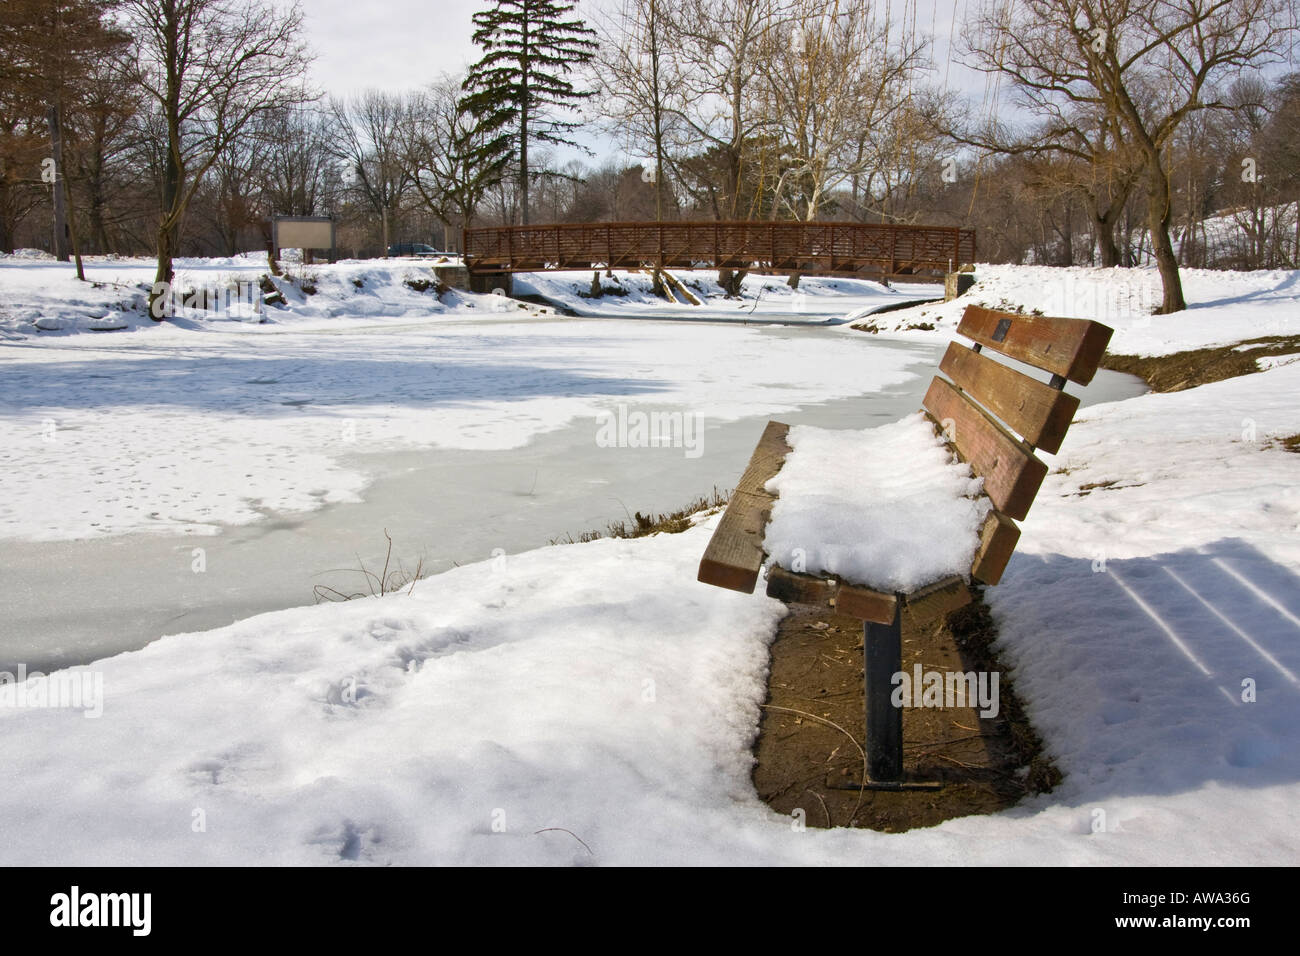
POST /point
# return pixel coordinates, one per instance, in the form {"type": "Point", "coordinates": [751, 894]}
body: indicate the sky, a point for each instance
{"type": "Point", "coordinates": [405, 44]}
{"type": "Point", "coordinates": [389, 44]}
{"type": "Point", "coordinates": [402, 44]}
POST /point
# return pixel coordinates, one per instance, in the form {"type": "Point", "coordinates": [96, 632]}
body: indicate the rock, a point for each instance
{"type": "Point", "coordinates": [109, 322]}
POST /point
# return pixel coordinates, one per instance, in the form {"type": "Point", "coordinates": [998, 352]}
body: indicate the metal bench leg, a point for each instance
{"type": "Point", "coordinates": [882, 655]}
{"type": "Point", "coordinates": [882, 651]}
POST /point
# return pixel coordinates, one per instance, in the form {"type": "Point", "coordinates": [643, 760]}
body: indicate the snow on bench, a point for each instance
{"type": "Point", "coordinates": [911, 512]}
{"type": "Point", "coordinates": [888, 508]}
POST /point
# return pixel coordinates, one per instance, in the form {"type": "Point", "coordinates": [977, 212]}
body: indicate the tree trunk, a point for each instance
{"type": "Point", "coordinates": [1067, 237]}
{"type": "Point", "coordinates": [1159, 216]}
{"type": "Point", "coordinates": [1106, 244]}
{"type": "Point", "coordinates": [523, 125]}
{"type": "Point", "coordinates": [6, 229]}
{"type": "Point", "coordinates": [162, 283]}
{"type": "Point", "coordinates": [72, 234]}
{"type": "Point", "coordinates": [731, 281]}
{"type": "Point", "coordinates": [1296, 261]}
{"type": "Point", "coordinates": [60, 202]}
{"type": "Point", "coordinates": [169, 226]}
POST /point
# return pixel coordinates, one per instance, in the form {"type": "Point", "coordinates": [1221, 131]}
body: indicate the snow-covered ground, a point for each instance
{"type": "Point", "coordinates": [1223, 307]}
{"type": "Point", "coordinates": [593, 703]}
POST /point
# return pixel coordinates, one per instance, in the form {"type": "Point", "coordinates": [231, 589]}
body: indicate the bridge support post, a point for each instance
{"type": "Point", "coordinates": [957, 283]}
{"type": "Point", "coordinates": [490, 281]}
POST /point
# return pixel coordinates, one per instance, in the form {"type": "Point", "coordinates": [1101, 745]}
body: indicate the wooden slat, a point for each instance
{"type": "Point", "coordinates": [998, 537]}
{"type": "Point", "coordinates": [1071, 348]}
{"type": "Point", "coordinates": [1039, 413]}
{"type": "Point", "coordinates": [734, 556]}
{"type": "Point", "coordinates": [1010, 470]}
{"type": "Point", "coordinates": [861, 603]}
{"type": "Point", "coordinates": [937, 600]}
{"type": "Point", "coordinates": [792, 588]}
{"type": "Point", "coordinates": [766, 461]}
{"type": "Point", "coordinates": [865, 604]}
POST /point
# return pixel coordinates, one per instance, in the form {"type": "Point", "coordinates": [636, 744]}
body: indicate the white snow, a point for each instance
{"type": "Point", "coordinates": [888, 508]}
{"type": "Point", "coordinates": [1150, 616]}
{"type": "Point", "coordinates": [1223, 307]}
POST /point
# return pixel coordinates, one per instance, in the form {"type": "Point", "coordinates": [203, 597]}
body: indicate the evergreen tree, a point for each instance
{"type": "Point", "coordinates": [529, 48]}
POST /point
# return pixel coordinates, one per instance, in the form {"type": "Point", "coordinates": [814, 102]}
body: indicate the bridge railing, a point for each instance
{"type": "Point", "coordinates": [848, 248]}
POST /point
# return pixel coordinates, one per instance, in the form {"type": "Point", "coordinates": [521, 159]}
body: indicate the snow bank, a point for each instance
{"type": "Point", "coordinates": [762, 297]}
{"type": "Point", "coordinates": [592, 688]}
{"type": "Point", "coordinates": [888, 508]}
{"type": "Point", "coordinates": [44, 298]}
{"type": "Point", "coordinates": [1224, 307]}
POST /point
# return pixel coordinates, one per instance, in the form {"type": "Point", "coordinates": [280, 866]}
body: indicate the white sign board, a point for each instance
{"type": "Point", "coordinates": [303, 232]}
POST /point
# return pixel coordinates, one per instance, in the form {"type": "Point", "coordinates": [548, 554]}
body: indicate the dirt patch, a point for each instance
{"type": "Point", "coordinates": [1182, 370]}
{"type": "Point", "coordinates": [985, 764]}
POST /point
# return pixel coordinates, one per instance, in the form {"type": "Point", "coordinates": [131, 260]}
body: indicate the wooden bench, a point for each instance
{"type": "Point", "coordinates": [993, 418]}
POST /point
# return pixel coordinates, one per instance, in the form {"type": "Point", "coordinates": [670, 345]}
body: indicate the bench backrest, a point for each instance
{"type": "Point", "coordinates": [996, 416]}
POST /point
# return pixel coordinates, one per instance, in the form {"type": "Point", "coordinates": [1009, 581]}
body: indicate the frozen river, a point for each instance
{"type": "Point", "coordinates": [466, 442]}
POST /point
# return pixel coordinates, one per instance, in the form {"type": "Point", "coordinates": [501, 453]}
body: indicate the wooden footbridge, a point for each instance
{"type": "Point", "coordinates": [821, 248]}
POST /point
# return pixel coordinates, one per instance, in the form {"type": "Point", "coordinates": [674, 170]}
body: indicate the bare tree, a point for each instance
{"type": "Point", "coordinates": [639, 79]}
{"type": "Point", "coordinates": [1086, 147]}
{"type": "Point", "coordinates": [209, 67]}
{"type": "Point", "coordinates": [299, 173]}
{"type": "Point", "coordinates": [102, 128]}
{"type": "Point", "coordinates": [834, 79]}
{"type": "Point", "coordinates": [720, 52]}
{"type": "Point", "coordinates": [449, 182]}
{"type": "Point", "coordinates": [1148, 63]}
{"type": "Point", "coordinates": [369, 140]}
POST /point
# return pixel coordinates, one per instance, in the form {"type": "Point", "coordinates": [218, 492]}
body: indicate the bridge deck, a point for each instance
{"type": "Point", "coordinates": [848, 248]}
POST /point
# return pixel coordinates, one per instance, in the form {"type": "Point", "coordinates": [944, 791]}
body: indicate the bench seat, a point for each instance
{"type": "Point", "coordinates": [890, 508]}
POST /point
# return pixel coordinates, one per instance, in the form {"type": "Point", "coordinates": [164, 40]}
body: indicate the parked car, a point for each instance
{"type": "Point", "coordinates": [402, 250]}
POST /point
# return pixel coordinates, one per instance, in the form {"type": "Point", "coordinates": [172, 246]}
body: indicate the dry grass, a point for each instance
{"type": "Point", "coordinates": [639, 525]}
{"type": "Point", "coordinates": [388, 581]}
{"type": "Point", "coordinates": [1182, 370]}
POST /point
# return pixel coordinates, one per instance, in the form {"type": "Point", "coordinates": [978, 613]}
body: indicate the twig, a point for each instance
{"type": "Point", "coordinates": [383, 580]}
{"type": "Point", "coordinates": [368, 573]}
{"type": "Point", "coordinates": [570, 833]}
{"type": "Point", "coordinates": [950, 740]}
{"type": "Point", "coordinates": [320, 588]}
{"type": "Point", "coordinates": [829, 822]}
{"type": "Point", "coordinates": [862, 789]}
